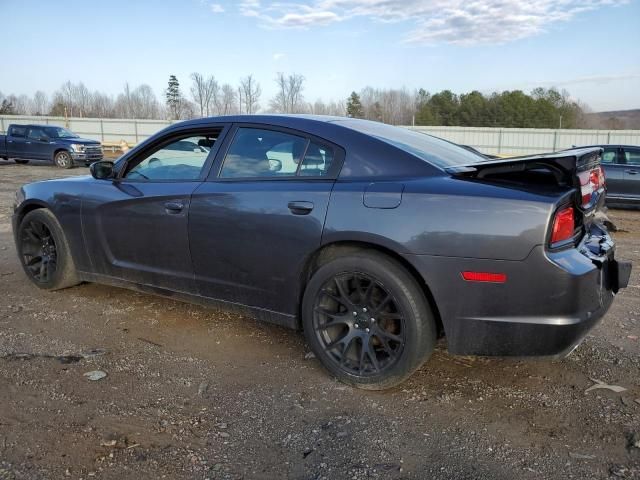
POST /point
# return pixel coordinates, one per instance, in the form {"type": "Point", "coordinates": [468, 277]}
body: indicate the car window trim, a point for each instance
{"type": "Point", "coordinates": [167, 139]}
{"type": "Point", "coordinates": [332, 174]}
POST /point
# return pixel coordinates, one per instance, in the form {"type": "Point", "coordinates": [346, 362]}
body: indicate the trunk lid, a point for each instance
{"type": "Point", "coordinates": [577, 168]}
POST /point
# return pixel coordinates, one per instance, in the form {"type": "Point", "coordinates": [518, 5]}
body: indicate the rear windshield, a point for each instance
{"type": "Point", "coordinates": [436, 151]}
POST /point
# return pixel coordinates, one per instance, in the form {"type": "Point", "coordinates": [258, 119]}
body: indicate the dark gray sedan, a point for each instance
{"type": "Point", "coordinates": [373, 239]}
{"type": "Point", "coordinates": [622, 169]}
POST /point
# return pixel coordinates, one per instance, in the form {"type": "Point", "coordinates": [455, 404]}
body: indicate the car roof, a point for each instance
{"type": "Point", "coordinates": [31, 125]}
{"type": "Point", "coordinates": [604, 145]}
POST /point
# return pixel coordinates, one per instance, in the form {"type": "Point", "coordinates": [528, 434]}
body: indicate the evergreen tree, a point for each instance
{"type": "Point", "coordinates": [354, 106]}
{"type": "Point", "coordinates": [174, 97]}
{"type": "Point", "coordinates": [6, 107]}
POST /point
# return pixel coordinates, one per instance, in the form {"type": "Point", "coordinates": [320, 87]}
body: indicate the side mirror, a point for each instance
{"type": "Point", "coordinates": [275, 165]}
{"type": "Point", "coordinates": [102, 170]}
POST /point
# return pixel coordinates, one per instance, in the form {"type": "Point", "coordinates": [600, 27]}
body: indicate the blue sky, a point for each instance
{"type": "Point", "coordinates": [589, 47]}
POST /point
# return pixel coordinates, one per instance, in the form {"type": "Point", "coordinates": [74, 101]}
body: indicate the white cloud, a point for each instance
{"type": "Point", "coordinates": [595, 79]}
{"type": "Point", "coordinates": [278, 56]}
{"type": "Point", "coordinates": [216, 8]}
{"type": "Point", "coordinates": [462, 22]}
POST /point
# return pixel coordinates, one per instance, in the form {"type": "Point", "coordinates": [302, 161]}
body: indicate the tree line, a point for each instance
{"type": "Point", "coordinates": [205, 96]}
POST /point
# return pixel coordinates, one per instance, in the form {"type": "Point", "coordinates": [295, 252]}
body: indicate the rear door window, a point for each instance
{"type": "Point", "coordinates": [36, 134]}
{"type": "Point", "coordinates": [261, 153]}
{"type": "Point", "coordinates": [632, 156]}
{"type": "Point", "coordinates": [16, 131]}
{"type": "Point", "coordinates": [609, 156]}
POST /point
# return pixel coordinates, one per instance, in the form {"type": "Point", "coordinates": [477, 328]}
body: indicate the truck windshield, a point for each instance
{"type": "Point", "coordinates": [59, 132]}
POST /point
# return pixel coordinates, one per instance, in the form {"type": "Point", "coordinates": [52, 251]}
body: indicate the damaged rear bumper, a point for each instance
{"type": "Point", "coordinates": [546, 307]}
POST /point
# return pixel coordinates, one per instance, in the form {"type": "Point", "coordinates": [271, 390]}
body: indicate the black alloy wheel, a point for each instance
{"type": "Point", "coordinates": [44, 251]}
{"type": "Point", "coordinates": [359, 324]}
{"type": "Point", "coordinates": [39, 251]}
{"type": "Point", "coordinates": [367, 319]}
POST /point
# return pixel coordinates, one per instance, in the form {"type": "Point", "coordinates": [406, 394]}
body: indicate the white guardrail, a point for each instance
{"type": "Point", "coordinates": [503, 141]}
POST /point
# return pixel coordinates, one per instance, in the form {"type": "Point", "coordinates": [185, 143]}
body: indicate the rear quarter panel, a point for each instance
{"type": "Point", "coordinates": [441, 216]}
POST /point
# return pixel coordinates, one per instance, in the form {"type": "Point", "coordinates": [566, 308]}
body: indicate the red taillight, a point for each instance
{"type": "Point", "coordinates": [564, 225]}
{"type": "Point", "coordinates": [590, 182]}
{"type": "Point", "coordinates": [484, 277]}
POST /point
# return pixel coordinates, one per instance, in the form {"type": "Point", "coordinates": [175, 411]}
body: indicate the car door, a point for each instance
{"type": "Point", "coordinates": [260, 214]}
{"type": "Point", "coordinates": [37, 143]}
{"type": "Point", "coordinates": [613, 164]}
{"type": "Point", "coordinates": [631, 187]}
{"type": "Point", "coordinates": [136, 226]}
{"type": "Point", "coordinates": [16, 141]}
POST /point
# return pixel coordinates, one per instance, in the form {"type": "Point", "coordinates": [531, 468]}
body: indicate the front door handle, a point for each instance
{"type": "Point", "coordinates": [631, 172]}
{"type": "Point", "coordinates": [173, 207]}
{"type": "Point", "coordinates": [300, 208]}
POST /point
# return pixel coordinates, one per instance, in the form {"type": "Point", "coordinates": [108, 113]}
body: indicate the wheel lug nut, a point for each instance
{"type": "Point", "coordinates": [373, 319]}
{"type": "Point", "coordinates": [366, 330]}
{"type": "Point", "coordinates": [357, 326]}
{"type": "Point", "coordinates": [364, 309]}
{"type": "Point", "coordinates": [355, 313]}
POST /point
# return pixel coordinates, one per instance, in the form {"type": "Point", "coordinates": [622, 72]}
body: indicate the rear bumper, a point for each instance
{"type": "Point", "coordinates": [546, 307]}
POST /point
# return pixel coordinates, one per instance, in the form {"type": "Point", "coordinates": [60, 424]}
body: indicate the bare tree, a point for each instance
{"type": "Point", "coordinates": [101, 105]}
{"type": "Point", "coordinates": [249, 92]}
{"type": "Point", "coordinates": [227, 100]}
{"type": "Point", "coordinates": [82, 98]}
{"type": "Point", "coordinates": [289, 98]}
{"type": "Point", "coordinates": [66, 97]}
{"type": "Point", "coordinates": [145, 102]}
{"type": "Point", "coordinates": [40, 103]}
{"type": "Point", "coordinates": [203, 92]}
{"type": "Point", "coordinates": [21, 104]}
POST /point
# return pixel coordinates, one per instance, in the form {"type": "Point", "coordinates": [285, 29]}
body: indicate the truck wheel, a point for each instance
{"type": "Point", "coordinates": [44, 252]}
{"type": "Point", "coordinates": [63, 159]}
{"type": "Point", "coordinates": [367, 320]}
{"type": "Point", "coordinates": [20, 161]}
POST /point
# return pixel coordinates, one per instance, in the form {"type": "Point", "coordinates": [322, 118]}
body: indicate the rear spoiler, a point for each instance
{"type": "Point", "coordinates": [567, 164]}
{"type": "Point", "coordinates": [577, 168]}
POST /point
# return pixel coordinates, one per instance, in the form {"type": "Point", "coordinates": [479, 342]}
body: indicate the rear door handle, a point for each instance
{"type": "Point", "coordinates": [632, 172]}
{"type": "Point", "coordinates": [300, 208]}
{"type": "Point", "coordinates": [173, 207]}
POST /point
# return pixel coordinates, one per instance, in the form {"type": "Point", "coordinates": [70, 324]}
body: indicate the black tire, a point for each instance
{"type": "Point", "coordinates": [362, 308]}
{"type": "Point", "coordinates": [63, 159]}
{"type": "Point", "coordinates": [44, 251]}
{"type": "Point", "coordinates": [20, 161]}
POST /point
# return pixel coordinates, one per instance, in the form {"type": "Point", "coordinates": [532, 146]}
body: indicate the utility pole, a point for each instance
{"type": "Point", "coordinates": [560, 122]}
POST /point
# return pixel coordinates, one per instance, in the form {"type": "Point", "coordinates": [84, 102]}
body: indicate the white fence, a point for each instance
{"type": "Point", "coordinates": [508, 141]}
{"type": "Point", "coordinates": [521, 141]}
{"type": "Point", "coordinates": [107, 130]}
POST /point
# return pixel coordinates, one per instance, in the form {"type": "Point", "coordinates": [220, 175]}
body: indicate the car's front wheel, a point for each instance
{"type": "Point", "coordinates": [367, 320]}
{"type": "Point", "coordinates": [44, 251]}
{"type": "Point", "coordinates": [63, 159]}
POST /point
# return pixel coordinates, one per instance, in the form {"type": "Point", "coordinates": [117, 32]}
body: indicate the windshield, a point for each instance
{"type": "Point", "coordinates": [434, 150]}
{"type": "Point", "coordinates": [59, 132]}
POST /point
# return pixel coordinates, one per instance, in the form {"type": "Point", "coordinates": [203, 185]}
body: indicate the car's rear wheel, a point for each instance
{"type": "Point", "coordinates": [44, 252]}
{"type": "Point", "coordinates": [20, 161]}
{"type": "Point", "coordinates": [367, 320]}
{"type": "Point", "coordinates": [63, 159]}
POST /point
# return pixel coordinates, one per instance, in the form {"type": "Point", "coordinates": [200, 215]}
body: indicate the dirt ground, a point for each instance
{"type": "Point", "coordinates": [195, 393]}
